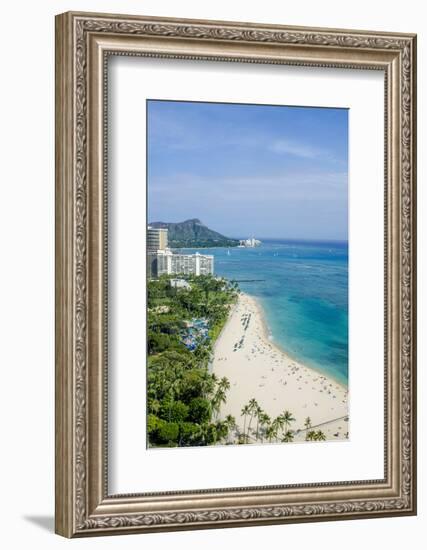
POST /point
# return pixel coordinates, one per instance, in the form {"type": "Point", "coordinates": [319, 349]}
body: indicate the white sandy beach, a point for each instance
{"type": "Point", "coordinates": [256, 368]}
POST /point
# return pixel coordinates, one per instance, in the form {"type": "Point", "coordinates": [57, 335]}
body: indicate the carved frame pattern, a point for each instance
{"type": "Point", "coordinates": [77, 510]}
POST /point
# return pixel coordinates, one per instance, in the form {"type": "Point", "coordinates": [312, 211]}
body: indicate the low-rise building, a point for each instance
{"type": "Point", "coordinates": [179, 283]}
{"type": "Point", "coordinates": [249, 243]}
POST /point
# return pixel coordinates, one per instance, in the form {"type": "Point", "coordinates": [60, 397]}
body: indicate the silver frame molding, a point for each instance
{"type": "Point", "coordinates": [84, 42]}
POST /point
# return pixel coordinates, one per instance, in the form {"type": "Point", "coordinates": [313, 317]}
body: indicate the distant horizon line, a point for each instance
{"type": "Point", "coordinates": [312, 239]}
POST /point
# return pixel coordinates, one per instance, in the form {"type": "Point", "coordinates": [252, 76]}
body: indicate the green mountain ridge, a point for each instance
{"type": "Point", "coordinates": [193, 234]}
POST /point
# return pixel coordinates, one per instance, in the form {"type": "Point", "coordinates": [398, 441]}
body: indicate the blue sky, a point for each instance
{"type": "Point", "coordinates": [267, 171]}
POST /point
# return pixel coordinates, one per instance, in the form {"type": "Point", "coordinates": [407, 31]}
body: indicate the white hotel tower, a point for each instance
{"type": "Point", "coordinates": [162, 261]}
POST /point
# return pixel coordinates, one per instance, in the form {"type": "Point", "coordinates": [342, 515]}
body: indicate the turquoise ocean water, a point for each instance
{"type": "Point", "coordinates": [303, 289]}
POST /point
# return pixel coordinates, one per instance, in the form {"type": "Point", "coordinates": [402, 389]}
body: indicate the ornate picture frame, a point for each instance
{"type": "Point", "coordinates": [84, 42]}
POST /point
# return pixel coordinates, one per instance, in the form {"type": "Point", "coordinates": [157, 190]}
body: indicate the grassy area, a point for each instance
{"type": "Point", "coordinates": [215, 331]}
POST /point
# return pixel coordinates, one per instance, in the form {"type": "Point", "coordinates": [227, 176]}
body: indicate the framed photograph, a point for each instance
{"type": "Point", "coordinates": [235, 274]}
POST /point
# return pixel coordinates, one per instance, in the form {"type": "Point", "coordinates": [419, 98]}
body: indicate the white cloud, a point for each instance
{"type": "Point", "coordinates": [298, 149]}
{"type": "Point", "coordinates": [316, 186]}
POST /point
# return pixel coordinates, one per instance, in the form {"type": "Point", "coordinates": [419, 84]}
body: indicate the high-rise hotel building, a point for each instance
{"type": "Point", "coordinates": [161, 260]}
{"type": "Point", "coordinates": [157, 239]}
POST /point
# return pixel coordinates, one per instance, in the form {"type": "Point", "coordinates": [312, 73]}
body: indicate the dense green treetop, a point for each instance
{"type": "Point", "coordinates": [183, 397]}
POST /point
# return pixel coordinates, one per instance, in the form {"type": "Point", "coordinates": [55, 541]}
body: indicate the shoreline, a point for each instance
{"type": "Point", "coordinates": [212, 247]}
{"type": "Point", "coordinates": [258, 368]}
{"type": "Point", "coordinates": [268, 335]}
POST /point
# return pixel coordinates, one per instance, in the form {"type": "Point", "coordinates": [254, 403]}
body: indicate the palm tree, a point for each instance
{"type": "Point", "coordinates": [224, 383]}
{"type": "Point", "coordinates": [271, 431]}
{"type": "Point", "coordinates": [217, 400]}
{"type": "Point", "coordinates": [208, 382]}
{"type": "Point", "coordinates": [245, 411]}
{"type": "Point", "coordinates": [287, 419]}
{"type": "Point", "coordinates": [288, 437]}
{"type": "Point", "coordinates": [231, 424]}
{"type": "Point", "coordinates": [221, 429]}
{"type": "Point", "coordinates": [279, 423]}
{"type": "Point", "coordinates": [173, 391]}
{"type": "Point", "coordinates": [253, 405]}
{"type": "Point", "coordinates": [264, 420]}
{"type": "Point", "coordinates": [258, 413]}
{"type": "Point", "coordinates": [307, 426]}
{"type": "Point", "coordinates": [320, 436]}
{"type": "Point", "coordinates": [310, 435]}
{"type": "Point", "coordinates": [220, 397]}
{"type": "Point", "coordinates": [202, 352]}
{"type": "Point", "coordinates": [313, 435]}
